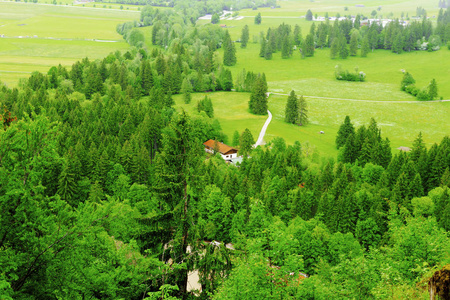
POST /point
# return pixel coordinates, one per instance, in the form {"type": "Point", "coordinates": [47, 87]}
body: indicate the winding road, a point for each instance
{"type": "Point", "coordinates": [260, 140]}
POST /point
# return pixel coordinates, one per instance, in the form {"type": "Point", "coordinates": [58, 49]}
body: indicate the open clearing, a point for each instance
{"type": "Point", "coordinates": [55, 34]}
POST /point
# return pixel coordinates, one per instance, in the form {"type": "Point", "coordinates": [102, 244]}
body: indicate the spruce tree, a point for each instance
{"type": "Point", "coordinates": [286, 48]}
{"type": "Point", "coordinates": [365, 47]}
{"type": "Point", "coordinates": [343, 49]}
{"type": "Point", "coordinates": [229, 54]}
{"type": "Point", "coordinates": [302, 112]}
{"type": "Point", "coordinates": [245, 36]}
{"type": "Point", "coordinates": [258, 19]}
{"type": "Point", "coordinates": [344, 131]}
{"type": "Point", "coordinates": [291, 110]}
{"type": "Point", "coordinates": [406, 81]}
{"type": "Point", "coordinates": [432, 89]}
{"type": "Point", "coordinates": [334, 49]}
{"type": "Point", "coordinates": [246, 142]}
{"type": "Point", "coordinates": [262, 51]}
{"type": "Point", "coordinates": [308, 47]}
{"type": "Point", "coordinates": [258, 98]}
{"type": "Point", "coordinates": [354, 43]}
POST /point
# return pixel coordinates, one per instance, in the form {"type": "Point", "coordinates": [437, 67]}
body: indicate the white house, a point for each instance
{"type": "Point", "coordinates": [227, 152]}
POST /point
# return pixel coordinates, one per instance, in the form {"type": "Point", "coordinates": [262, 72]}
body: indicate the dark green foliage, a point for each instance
{"type": "Point", "coordinates": [229, 54]}
{"type": "Point", "coordinates": [345, 130]}
{"type": "Point", "coordinates": [206, 106]}
{"type": "Point", "coordinates": [308, 46]}
{"type": "Point", "coordinates": [258, 97]}
{"type": "Point", "coordinates": [215, 18]}
{"type": "Point", "coordinates": [245, 35]}
{"type": "Point", "coordinates": [246, 142]}
{"type": "Point", "coordinates": [258, 19]}
{"type": "Point", "coordinates": [309, 15]}
{"type": "Point", "coordinates": [432, 89]}
{"type": "Point", "coordinates": [340, 74]}
{"type": "Point", "coordinates": [291, 111]}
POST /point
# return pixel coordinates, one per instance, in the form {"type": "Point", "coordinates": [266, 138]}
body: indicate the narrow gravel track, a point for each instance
{"type": "Point", "coordinates": [260, 140]}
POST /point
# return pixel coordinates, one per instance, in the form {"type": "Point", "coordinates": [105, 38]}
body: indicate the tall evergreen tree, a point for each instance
{"type": "Point", "coordinates": [291, 110]}
{"type": "Point", "coordinates": [365, 47]}
{"type": "Point", "coordinates": [229, 51]}
{"type": "Point", "coordinates": [245, 36]}
{"type": "Point", "coordinates": [432, 89]}
{"type": "Point", "coordinates": [354, 43]}
{"type": "Point", "coordinates": [308, 46]}
{"type": "Point", "coordinates": [344, 131]}
{"type": "Point", "coordinates": [258, 97]}
{"type": "Point", "coordinates": [302, 112]}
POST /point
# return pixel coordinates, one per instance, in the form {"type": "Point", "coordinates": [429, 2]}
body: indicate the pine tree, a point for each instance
{"type": "Point", "coordinates": [432, 89]}
{"type": "Point", "coordinates": [354, 43]}
{"type": "Point", "coordinates": [286, 48]}
{"type": "Point", "coordinates": [291, 111]}
{"type": "Point", "coordinates": [246, 142]}
{"type": "Point", "coordinates": [406, 81]}
{"type": "Point", "coordinates": [236, 138]}
{"type": "Point", "coordinates": [229, 54]}
{"type": "Point", "coordinates": [334, 49]}
{"type": "Point", "coordinates": [365, 47]}
{"type": "Point", "coordinates": [344, 131]}
{"type": "Point", "coordinates": [343, 49]}
{"type": "Point", "coordinates": [245, 36]}
{"type": "Point", "coordinates": [258, 98]}
{"type": "Point", "coordinates": [258, 19]}
{"type": "Point", "coordinates": [302, 112]}
{"type": "Point", "coordinates": [262, 51]}
{"type": "Point", "coordinates": [308, 46]}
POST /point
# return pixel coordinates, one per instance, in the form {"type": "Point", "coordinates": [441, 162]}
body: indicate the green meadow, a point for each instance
{"type": "Point", "coordinates": [39, 36]}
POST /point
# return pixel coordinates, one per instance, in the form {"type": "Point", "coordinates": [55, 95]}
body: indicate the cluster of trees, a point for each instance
{"type": "Point", "coordinates": [279, 39]}
{"type": "Point", "coordinates": [428, 93]}
{"type": "Point", "coordinates": [296, 111]}
{"type": "Point", "coordinates": [103, 193]}
{"type": "Point", "coordinates": [340, 74]}
{"type": "Point", "coordinates": [344, 37]}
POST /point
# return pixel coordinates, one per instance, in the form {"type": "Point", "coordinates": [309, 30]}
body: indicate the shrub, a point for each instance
{"type": "Point", "coordinates": [422, 95]}
{"type": "Point", "coordinates": [347, 76]}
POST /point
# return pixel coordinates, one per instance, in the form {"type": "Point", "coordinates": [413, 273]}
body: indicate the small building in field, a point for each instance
{"type": "Point", "coordinates": [227, 152]}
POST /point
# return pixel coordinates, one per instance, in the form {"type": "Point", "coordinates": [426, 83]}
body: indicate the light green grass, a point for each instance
{"type": "Point", "coordinates": [54, 34]}
{"type": "Point", "coordinates": [230, 108]}
{"type": "Point", "coordinates": [401, 122]}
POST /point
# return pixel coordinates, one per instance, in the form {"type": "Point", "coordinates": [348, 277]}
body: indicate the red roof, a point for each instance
{"type": "Point", "coordinates": [223, 149]}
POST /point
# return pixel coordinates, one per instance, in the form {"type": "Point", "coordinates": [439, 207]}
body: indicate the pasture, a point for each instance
{"type": "Point", "coordinates": [39, 36]}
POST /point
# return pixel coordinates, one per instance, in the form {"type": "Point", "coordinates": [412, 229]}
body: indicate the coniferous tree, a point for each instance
{"type": "Point", "coordinates": [286, 48]}
{"type": "Point", "coordinates": [343, 48]}
{"type": "Point", "coordinates": [344, 131]}
{"type": "Point", "coordinates": [406, 81]}
{"type": "Point", "coordinates": [245, 36]}
{"type": "Point", "coordinates": [229, 51]}
{"type": "Point", "coordinates": [262, 51]}
{"type": "Point", "coordinates": [291, 111]}
{"type": "Point", "coordinates": [246, 142]}
{"type": "Point", "coordinates": [334, 49]}
{"type": "Point", "coordinates": [258, 97]}
{"type": "Point", "coordinates": [365, 47]}
{"type": "Point", "coordinates": [302, 112]}
{"type": "Point", "coordinates": [432, 89]}
{"type": "Point", "coordinates": [309, 15]}
{"type": "Point", "coordinates": [354, 43]}
{"type": "Point", "coordinates": [308, 46]}
{"type": "Point", "coordinates": [258, 19]}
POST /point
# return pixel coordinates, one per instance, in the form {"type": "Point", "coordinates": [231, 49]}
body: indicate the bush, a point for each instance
{"type": "Point", "coordinates": [411, 89]}
{"type": "Point", "coordinates": [347, 76]}
{"type": "Point", "coordinates": [422, 95]}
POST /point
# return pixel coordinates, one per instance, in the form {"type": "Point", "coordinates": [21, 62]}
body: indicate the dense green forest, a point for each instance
{"type": "Point", "coordinates": [106, 191]}
{"type": "Point", "coordinates": [104, 187]}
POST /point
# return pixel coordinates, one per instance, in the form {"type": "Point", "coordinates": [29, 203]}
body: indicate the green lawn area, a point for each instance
{"type": "Point", "coordinates": [38, 36]}
{"type": "Point", "coordinates": [230, 108]}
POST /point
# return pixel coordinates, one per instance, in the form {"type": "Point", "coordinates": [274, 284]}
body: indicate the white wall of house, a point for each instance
{"type": "Point", "coordinates": [229, 156]}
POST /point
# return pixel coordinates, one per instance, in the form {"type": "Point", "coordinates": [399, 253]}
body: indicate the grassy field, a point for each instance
{"type": "Point", "coordinates": [39, 36]}
{"type": "Point", "coordinates": [230, 108]}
